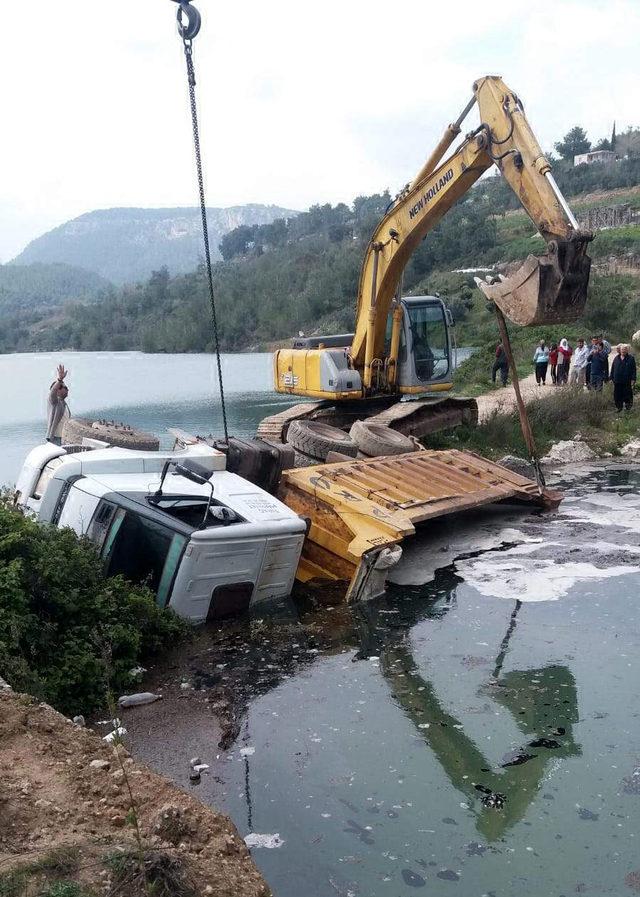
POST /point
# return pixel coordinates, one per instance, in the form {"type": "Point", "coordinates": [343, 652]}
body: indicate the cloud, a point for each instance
{"type": "Point", "coordinates": [299, 103]}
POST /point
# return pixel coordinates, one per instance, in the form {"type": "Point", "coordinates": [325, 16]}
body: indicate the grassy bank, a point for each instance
{"type": "Point", "coordinates": [67, 633]}
{"type": "Point", "coordinates": [559, 415]}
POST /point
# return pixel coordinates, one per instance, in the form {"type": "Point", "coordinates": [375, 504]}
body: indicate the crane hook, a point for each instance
{"type": "Point", "coordinates": [188, 19]}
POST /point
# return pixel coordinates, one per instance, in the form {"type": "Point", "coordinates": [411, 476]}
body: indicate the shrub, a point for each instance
{"type": "Point", "coordinates": [67, 633]}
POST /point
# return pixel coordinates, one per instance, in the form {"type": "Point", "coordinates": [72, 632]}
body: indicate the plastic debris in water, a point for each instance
{"type": "Point", "coordinates": [143, 697]}
{"type": "Point", "coordinates": [247, 751]}
{"type": "Point", "coordinates": [413, 879]}
{"type": "Point", "coordinates": [448, 875]}
{"type": "Point", "coordinates": [583, 813]}
{"type": "Point", "coordinates": [120, 732]}
{"type": "Point", "coordinates": [269, 841]}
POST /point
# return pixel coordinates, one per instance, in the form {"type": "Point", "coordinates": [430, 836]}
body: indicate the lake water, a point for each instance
{"type": "Point", "coordinates": [446, 739]}
{"type": "Point", "coordinates": [151, 392]}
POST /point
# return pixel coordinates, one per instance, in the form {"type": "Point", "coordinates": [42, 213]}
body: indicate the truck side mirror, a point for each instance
{"type": "Point", "coordinates": [195, 473]}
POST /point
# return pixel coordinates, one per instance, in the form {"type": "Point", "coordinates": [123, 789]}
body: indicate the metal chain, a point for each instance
{"type": "Point", "coordinates": [191, 78]}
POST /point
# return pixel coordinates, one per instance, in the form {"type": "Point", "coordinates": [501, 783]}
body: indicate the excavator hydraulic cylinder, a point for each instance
{"type": "Point", "coordinates": [396, 326]}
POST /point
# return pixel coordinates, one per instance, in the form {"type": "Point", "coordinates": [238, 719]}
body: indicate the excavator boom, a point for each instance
{"type": "Point", "coordinates": [548, 289]}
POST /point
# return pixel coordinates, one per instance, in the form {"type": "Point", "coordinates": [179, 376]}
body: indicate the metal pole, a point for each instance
{"type": "Point", "coordinates": [527, 432]}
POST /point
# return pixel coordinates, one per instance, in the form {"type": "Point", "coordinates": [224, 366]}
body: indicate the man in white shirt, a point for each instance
{"type": "Point", "coordinates": [579, 369]}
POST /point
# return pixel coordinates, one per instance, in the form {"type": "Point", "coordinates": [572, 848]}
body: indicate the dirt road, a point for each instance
{"type": "Point", "coordinates": [505, 399]}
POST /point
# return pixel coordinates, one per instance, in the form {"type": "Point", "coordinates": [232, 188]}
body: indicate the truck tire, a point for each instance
{"type": "Point", "coordinates": [302, 460]}
{"type": "Point", "coordinates": [317, 439]}
{"type": "Point", "coordinates": [116, 434]}
{"type": "Point", "coordinates": [375, 439]}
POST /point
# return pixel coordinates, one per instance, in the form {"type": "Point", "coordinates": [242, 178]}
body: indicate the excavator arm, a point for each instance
{"type": "Point", "coordinates": [544, 290]}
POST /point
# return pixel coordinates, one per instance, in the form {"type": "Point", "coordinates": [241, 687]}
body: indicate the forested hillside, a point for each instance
{"type": "Point", "coordinates": [302, 273]}
{"type": "Point", "coordinates": [38, 287]}
{"type": "Point", "coordinates": [127, 245]}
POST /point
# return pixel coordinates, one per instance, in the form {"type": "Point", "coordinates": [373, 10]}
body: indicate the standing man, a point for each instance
{"type": "Point", "coordinates": [500, 364]}
{"type": "Point", "coordinates": [599, 364]}
{"type": "Point", "coordinates": [57, 408]}
{"type": "Point", "coordinates": [607, 348]}
{"type": "Point", "coordinates": [580, 361]}
{"type": "Point", "coordinates": [623, 374]}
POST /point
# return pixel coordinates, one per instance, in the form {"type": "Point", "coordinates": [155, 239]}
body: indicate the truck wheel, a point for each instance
{"type": "Point", "coordinates": [116, 434]}
{"type": "Point", "coordinates": [317, 439]}
{"type": "Point", "coordinates": [374, 440]}
{"type": "Point", "coordinates": [302, 460]}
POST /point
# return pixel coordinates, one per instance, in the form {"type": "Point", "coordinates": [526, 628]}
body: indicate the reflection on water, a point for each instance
{"type": "Point", "coordinates": [436, 738]}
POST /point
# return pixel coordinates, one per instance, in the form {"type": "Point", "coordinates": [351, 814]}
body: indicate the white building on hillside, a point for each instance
{"type": "Point", "coordinates": [604, 156]}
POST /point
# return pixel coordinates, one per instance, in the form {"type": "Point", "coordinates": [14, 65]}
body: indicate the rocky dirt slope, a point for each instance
{"type": "Point", "coordinates": [67, 814]}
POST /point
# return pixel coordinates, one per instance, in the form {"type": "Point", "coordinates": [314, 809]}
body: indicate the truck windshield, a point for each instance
{"type": "Point", "coordinates": [143, 552]}
{"type": "Point", "coordinates": [430, 343]}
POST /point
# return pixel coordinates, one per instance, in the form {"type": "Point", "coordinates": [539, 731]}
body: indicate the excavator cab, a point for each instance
{"type": "Point", "coordinates": [426, 342]}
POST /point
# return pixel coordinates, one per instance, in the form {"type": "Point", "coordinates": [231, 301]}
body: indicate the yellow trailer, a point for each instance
{"type": "Point", "coordinates": [359, 511]}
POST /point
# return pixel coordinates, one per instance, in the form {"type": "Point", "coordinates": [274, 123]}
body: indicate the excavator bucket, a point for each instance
{"type": "Point", "coordinates": [549, 289]}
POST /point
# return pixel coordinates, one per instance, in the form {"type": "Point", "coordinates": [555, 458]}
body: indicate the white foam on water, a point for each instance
{"type": "Point", "coordinates": [268, 841]}
{"type": "Point", "coordinates": [532, 579]}
{"type": "Point", "coordinates": [421, 557]}
{"type": "Point", "coordinates": [533, 568]}
{"type": "Point", "coordinates": [606, 509]}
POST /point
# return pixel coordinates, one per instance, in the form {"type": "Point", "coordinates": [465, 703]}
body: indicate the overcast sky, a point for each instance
{"type": "Point", "coordinates": [300, 103]}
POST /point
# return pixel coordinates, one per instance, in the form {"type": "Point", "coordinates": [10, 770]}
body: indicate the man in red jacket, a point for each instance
{"type": "Point", "coordinates": [500, 364]}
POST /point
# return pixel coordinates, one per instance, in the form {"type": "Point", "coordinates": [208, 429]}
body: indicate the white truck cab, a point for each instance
{"type": "Point", "coordinates": [207, 542]}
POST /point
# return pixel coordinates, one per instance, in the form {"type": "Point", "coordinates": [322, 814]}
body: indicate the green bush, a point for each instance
{"type": "Point", "coordinates": [67, 633]}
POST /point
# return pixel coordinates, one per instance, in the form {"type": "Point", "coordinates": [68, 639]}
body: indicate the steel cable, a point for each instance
{"type": "Point", "coordinates": [191, 78]}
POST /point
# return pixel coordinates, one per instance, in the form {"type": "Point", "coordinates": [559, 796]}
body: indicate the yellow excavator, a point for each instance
{"type": "Point", "coordinates": [403, 346]}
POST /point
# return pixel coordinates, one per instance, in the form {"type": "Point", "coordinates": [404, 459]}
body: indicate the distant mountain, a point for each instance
{"type": "Point", "coordinates": [126, 245]}
{"type": "Point", "coordinates": [38, 286]}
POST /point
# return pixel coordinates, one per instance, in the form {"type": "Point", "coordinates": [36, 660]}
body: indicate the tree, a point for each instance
{"type": "Point", "coordinates": [237, 241]}
{"type": "Point", "coordinates": [574, 143]}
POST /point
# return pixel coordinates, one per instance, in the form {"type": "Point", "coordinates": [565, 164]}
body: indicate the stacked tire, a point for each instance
{"type": "Point", "coordinates": [374, 440]}
{"type": "Point", "coordinates": [313, 441]}
{"type": "Point", "coordinates": [117, 434]}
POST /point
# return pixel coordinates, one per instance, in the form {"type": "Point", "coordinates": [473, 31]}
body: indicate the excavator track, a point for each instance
{"type": "Point", "coordinates": [423, 416]}
{"type": "Point", "coordinates": [418, 417]}
{"type": "Point", "coordinates": [274, 428]}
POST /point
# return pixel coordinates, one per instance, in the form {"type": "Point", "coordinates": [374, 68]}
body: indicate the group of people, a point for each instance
{"type": "Point", "coordinates": [588, 366]}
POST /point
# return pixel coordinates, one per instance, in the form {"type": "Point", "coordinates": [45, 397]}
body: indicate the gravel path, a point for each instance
{"type": "Point", "coordinates": [505, 399]}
